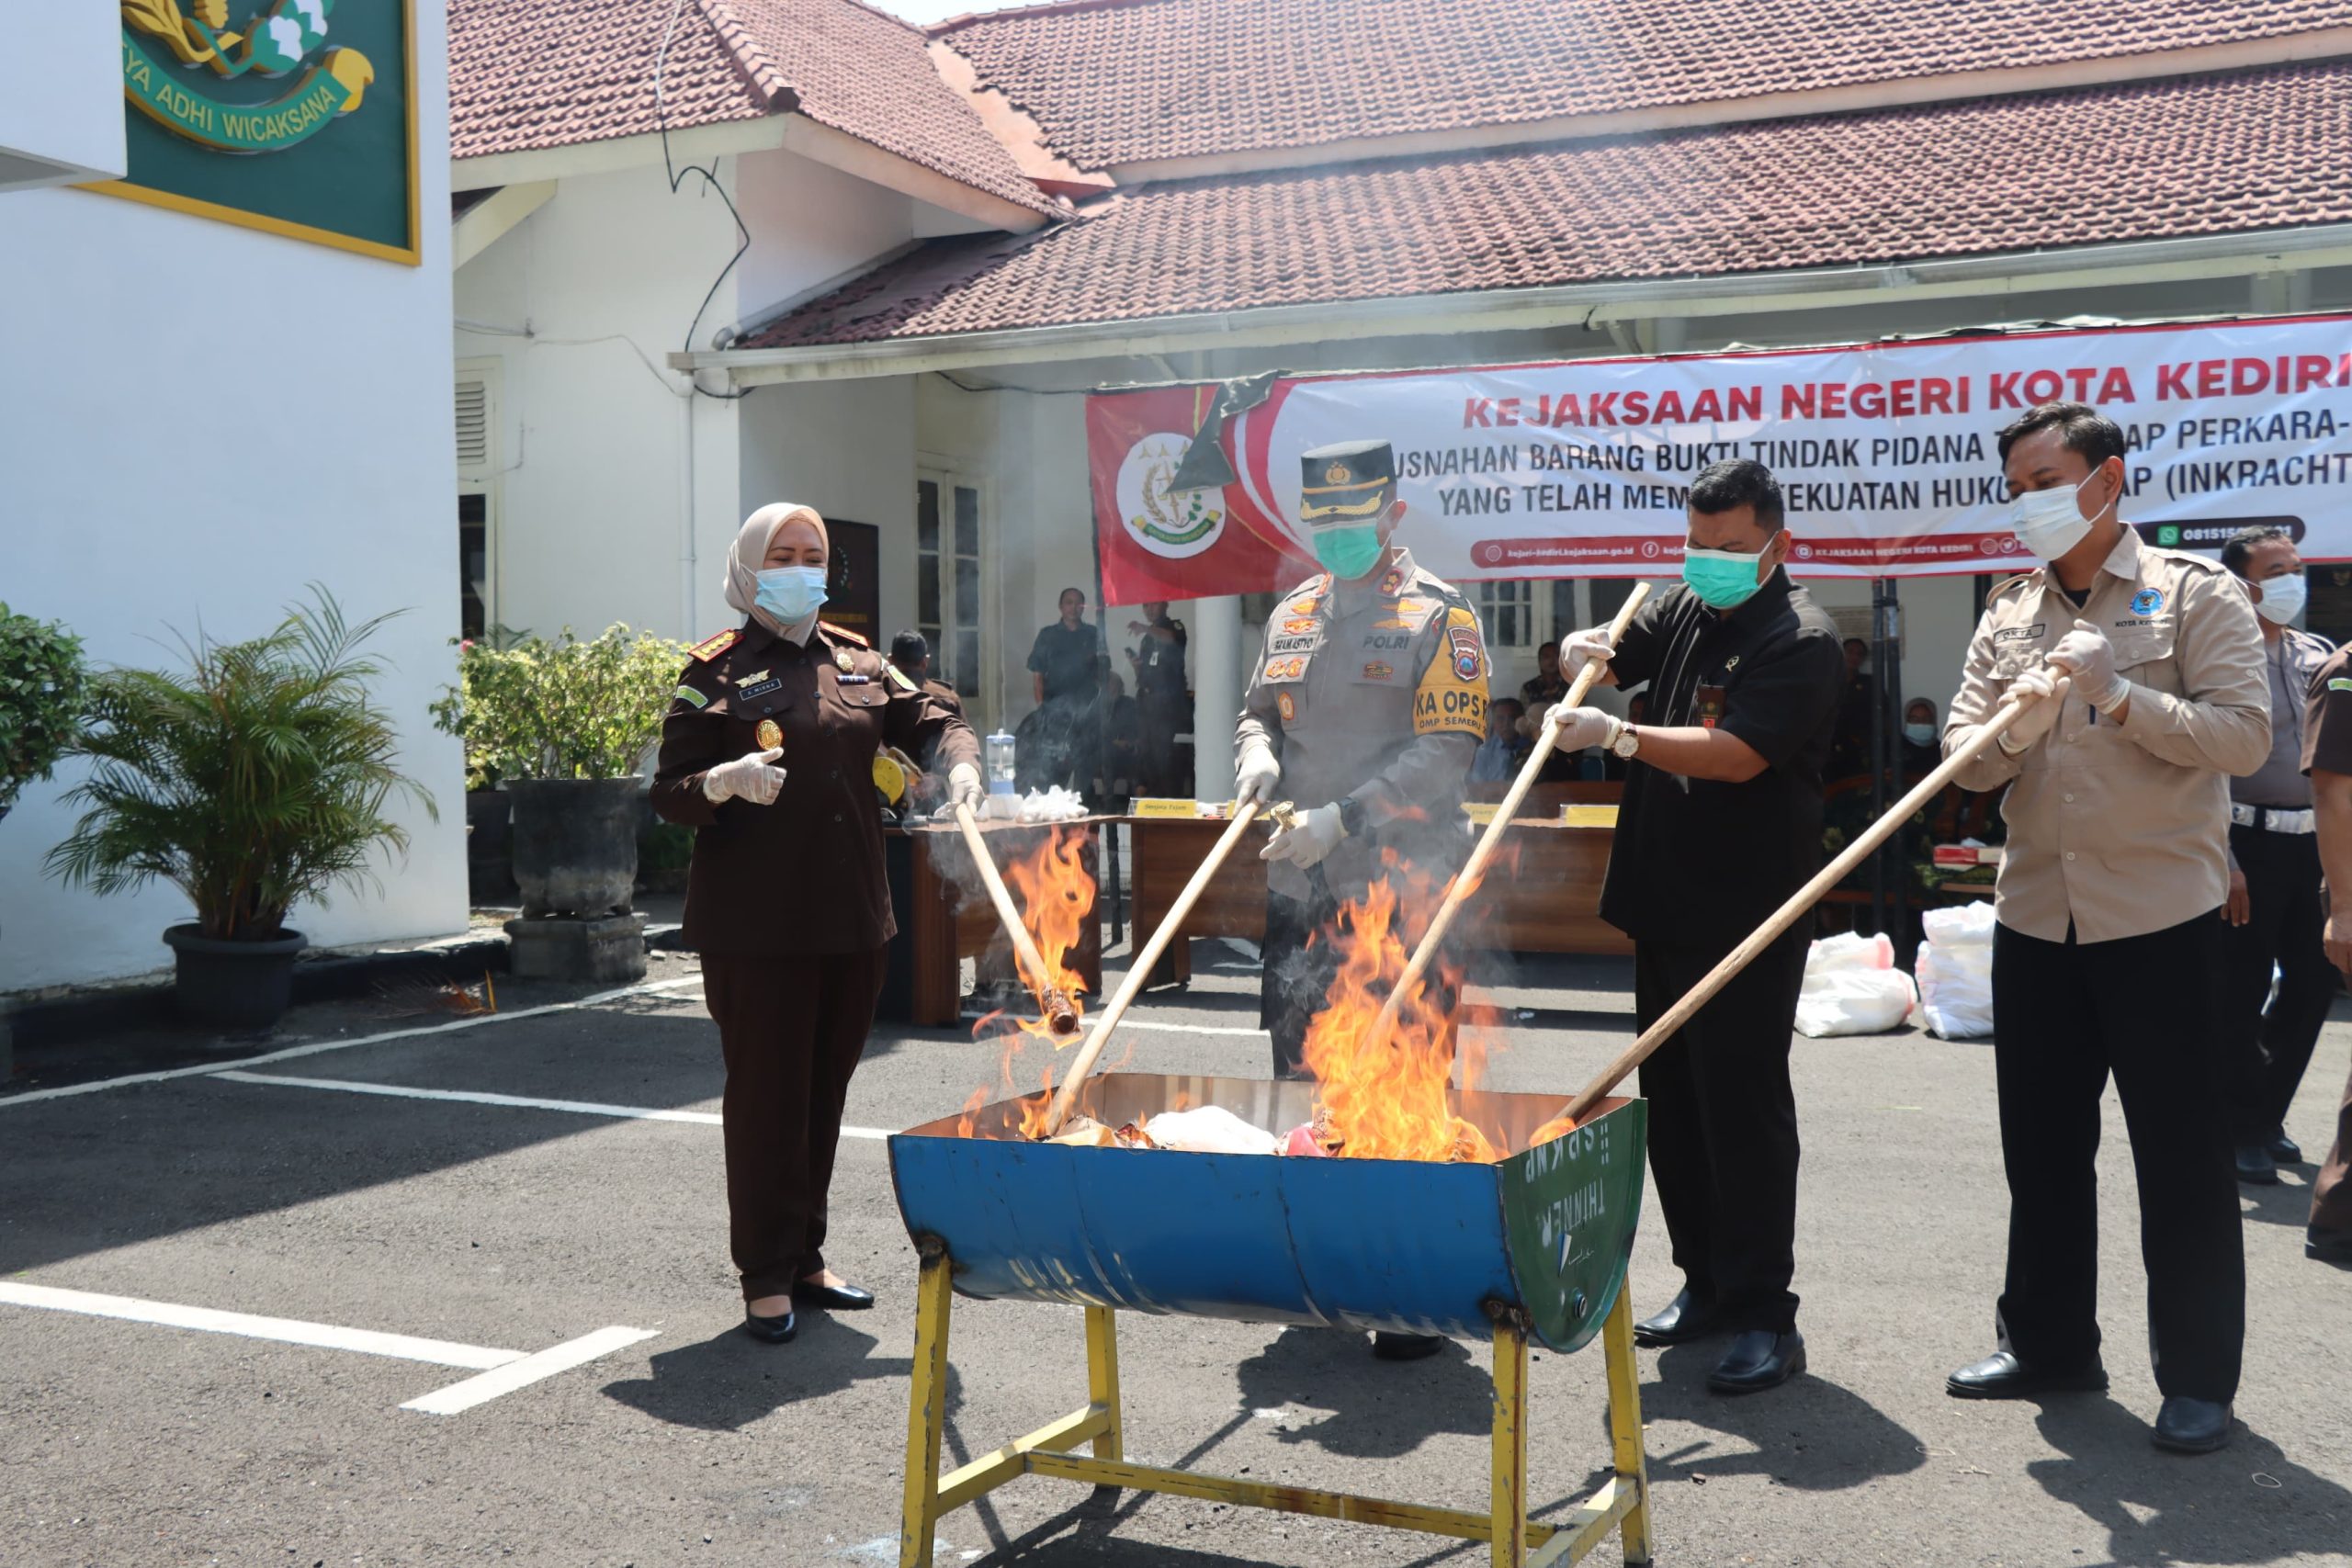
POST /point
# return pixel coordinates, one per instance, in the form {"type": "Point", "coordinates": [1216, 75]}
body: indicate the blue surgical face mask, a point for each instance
{"type": "Point", "coordinates": [1724, 580]}
{"type": "Point", "coordinates": [1349, 551]}
{"type": "Point", "coordinates": [791, 593]}
{"type": "Point", "coordinates": [1919, 734]}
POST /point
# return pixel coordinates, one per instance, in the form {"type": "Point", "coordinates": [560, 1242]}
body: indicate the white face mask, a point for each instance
{"type": "Point", "coordinates": [2282, 598]}
{"type": "Point", "coordinates": [2050, 521]}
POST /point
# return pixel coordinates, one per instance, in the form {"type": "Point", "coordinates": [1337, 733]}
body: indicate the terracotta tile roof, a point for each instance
{"type": "Point", "coordinates": [533, 74]}
{"type": "Point", "coordinates": [1122, 81]}
{"type": "Point", "coordinates": [2189, 156]}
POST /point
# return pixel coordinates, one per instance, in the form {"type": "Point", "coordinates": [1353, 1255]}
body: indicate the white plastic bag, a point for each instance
{"type": "Point", "coordinates": [1961, 925]}
{"type": "Point", "coordinates": [1851, 987]}
{"type": "Point", "coordinates": [1956, 984]}
{"type": "Point", "coordinates": [1210, 1130]}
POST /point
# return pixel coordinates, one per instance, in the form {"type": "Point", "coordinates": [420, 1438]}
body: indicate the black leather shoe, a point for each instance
{"type": "Point", "coordinates": [832, 1298]}
{"type": "Point", "coordinates": [2191, 1426]}
{"type": "Point", "coordinates": [1682, 1321]}
{"type": "Point", "coordinates": [1387, 1347]}
{"type": "Point", "coordinates": [2329, 1246]}
{"type": "Point", "coordinates": [2283, 1149]}
{"type": "Point", "coordinates": [771, 1330]}
{"type": "Point", "coordinates": [1758, 1359]}
{"type": "Point", "coordinates": [2002, 1376]}
{"type": "Point", "coordinates": [2256, 1167]}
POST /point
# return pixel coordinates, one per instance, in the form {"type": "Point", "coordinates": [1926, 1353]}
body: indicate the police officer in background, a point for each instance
{"type": "Point", "coordinates": [1366, 710]}
{"type": "Point", "coordinates": [2274, 913]}
{"type": "Point", "coordinates": [2327, 757]}
{"type": "Point", "coordinates": [2148, 674]}
{"type": "Point", "coordinates": [1721, 823]}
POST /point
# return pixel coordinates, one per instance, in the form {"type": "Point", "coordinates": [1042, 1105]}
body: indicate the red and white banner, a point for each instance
{"type": "Point", "coordinates": [1886, 454]}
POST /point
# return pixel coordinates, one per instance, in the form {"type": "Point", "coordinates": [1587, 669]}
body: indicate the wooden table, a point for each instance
{"type": "Point", "coordinates": [1541, 896]}
{"type": "Point", "coordinates": [944, 916]}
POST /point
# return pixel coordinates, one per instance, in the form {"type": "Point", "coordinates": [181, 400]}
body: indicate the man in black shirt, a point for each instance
{"type": "Point", "coordinates": [1721, 823]}
{"type": "Point", "coordinates": [1163, 705]}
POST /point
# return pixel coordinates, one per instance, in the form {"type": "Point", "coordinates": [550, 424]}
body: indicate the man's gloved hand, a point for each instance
{"type": "Point", "coordinates": [1579, 727]}
{"type": "Point", "coordinates": [1255, 778]}
{"type": "Point", "coordinates": [1317, 834]}
{"type": "Point", "coordinates": [2048, 689]}
{"type": "Point", "coordinates": [964, 787]}
{"type": "Point", "coordinates": [2089, 658]}
{"type": "Point", "coordinates": [753, 776]}
{"type": "Point", "coordinates": [1587, 646]}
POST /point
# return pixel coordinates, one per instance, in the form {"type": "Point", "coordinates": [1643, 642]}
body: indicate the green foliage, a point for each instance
{"type": "Point", "coordinates": [43, 692]}
{"type": "Point", "coordinates": [665, 846]}
{"type": "Point", "coordinates": [567, 709]}
{"type": "Point", "coordinates": [251, 781]}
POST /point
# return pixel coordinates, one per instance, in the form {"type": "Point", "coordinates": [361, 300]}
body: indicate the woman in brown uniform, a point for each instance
{"type": "Point", "coordinates": [768, 754]}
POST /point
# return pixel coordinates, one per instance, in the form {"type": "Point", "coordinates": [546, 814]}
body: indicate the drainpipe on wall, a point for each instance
{"type": "Point", "coordinates": [687, 565]}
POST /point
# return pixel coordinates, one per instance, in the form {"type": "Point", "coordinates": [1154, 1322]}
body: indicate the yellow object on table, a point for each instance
{"type": "Point", "coordinates": [1588, 816]}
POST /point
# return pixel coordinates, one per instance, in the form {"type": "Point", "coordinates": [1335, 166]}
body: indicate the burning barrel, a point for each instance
{"type": "Point", "coordinates": [1540, 1237]}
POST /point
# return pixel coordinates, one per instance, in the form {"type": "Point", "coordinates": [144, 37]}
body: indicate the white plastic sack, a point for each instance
{"type": "Point", "coordinates": [1851, 987]}
{"type": "Point", "coordinates": [1962, 925]}
{"type": "Point", "coordinates": [1956, 984]}
{"type": "Point", "coordinates": [1210, 1130]}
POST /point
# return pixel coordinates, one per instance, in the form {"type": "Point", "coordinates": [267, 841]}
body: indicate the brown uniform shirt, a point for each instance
{"type": "Point", "coordinates": [2327, 715]}
{"type": "Point", "coordinates": [803, 875]}
{"type": "Point", "coordinates": [2121, 829]}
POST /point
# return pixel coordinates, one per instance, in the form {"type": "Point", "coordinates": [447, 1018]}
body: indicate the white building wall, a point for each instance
{"type": "Point", "coordinates": [848, 449]}
{"type": "Point", "coordinates": [61, 98]}
{"type": "Point", "coordinates": [165, 467]}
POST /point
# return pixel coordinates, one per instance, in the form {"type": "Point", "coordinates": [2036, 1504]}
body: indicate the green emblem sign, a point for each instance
{"type": "Point", "coordinates": [292, 115]}
{"type": "Point", "coordinates": [1569, 1207]}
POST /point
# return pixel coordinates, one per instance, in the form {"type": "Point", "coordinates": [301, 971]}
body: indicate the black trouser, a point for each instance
{"type": "Point", "coordinates": [1302, 958]}
{"type": "Point", "coordinates": [2065, 1015]}
{"type": "Point", "coordinates": [1722, 1126]}
{"type": "Point", "coordinates": [2268, 1051]}
{"type": "Point", "coordinates": [792, 1029]}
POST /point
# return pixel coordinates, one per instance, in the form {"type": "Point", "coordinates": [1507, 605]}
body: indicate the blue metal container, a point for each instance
{"type": "Point", "coordinates": [1542, 1236]}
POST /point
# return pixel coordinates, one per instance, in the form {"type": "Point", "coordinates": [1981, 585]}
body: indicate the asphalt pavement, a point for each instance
{"type": "Point", "coordinates": [499, 1193]}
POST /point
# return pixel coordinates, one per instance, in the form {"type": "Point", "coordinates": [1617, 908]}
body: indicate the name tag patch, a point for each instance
{"type": "Point", "coordinates": [1707, 707]}
{"type": "Point", "coordinates": [2022, 634]}
{"type": "Point", "coordinates": [762, 689]}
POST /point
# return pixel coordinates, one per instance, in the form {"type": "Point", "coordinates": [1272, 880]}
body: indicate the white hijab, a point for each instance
{"type": "Point", "coordinates": [750, 549]}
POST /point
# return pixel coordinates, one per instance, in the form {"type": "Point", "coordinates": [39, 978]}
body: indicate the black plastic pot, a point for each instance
{"type": "Point", "coordinates": [232, 985]}
{"type": "Point", "coordinates": [575, 844]}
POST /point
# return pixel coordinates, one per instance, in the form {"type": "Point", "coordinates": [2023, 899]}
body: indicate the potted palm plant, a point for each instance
{"type": "Point", "coordinates": [564, 727]}
{"type": "Point", "coordinates": [258, 778]}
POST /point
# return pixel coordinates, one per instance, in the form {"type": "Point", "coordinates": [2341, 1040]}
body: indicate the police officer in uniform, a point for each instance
{"type": "Point", "coordinates": [767, 754]}
{"type": "Point", "coordinates": [1366, 710]}
{"type": "Point", "coordinates": [1720, 824]}
{"type": "Point", "coordinates": [2148, 671]}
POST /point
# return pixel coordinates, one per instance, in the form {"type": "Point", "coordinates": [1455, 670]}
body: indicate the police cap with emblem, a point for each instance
{"type": "Point", "coordinates": [1352, 481]}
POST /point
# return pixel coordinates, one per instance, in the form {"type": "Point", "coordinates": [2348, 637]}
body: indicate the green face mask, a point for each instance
{"type": "Point", "coordinates": [1349, 551]}
{"type": "Point", "coordinates": [1722, 579]}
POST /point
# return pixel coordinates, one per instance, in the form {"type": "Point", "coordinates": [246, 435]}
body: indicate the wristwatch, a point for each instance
{"type": "Point", "coordinates": [1625, 742]}
{"type": "Point", "coordinates": [1351, 816]}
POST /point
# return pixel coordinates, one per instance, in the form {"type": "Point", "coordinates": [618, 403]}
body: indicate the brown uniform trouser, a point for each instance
{"type": "Point", "coordinates": [2332, 1193]}
{"type": "Point", "coordinates": [791, 1027]}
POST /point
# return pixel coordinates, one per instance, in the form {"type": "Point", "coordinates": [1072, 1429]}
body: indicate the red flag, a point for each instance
{"type": "Point", "coordinates": [1161, 544]}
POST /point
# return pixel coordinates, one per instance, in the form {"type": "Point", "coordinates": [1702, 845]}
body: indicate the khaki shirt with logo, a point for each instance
{"type": "Point", "coordinates": [2120, 830]}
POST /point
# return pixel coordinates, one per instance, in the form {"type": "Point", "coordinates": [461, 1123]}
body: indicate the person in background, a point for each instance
{"type": "Point", "coordinates": [2273, 917]}
{"type": "Point", "coordinates": [1921, 751]}
{"type": "Point", "coordinates": [1120, 723]}
{"type": "Point", "coordinates": [768, 752]}
{"type": "Point", "coordinates": [2327, 757]}
{"type": "Point", "coordinates": [1500, 754]}
{"type": "Point", "coordinates": [911, 652]}
{"type": "Point", "coordinates": [1849, 746]}
{"type": "Point", "coordinates": [1064, 663]}
{"type": "Point", "coordinates": [1163, 704]}
{"type": "Point", "coordinates": [1721, 823]}
{"type": "Point", "coordinates": [2143, 672]}
{"type": "Point", "coordinates": [1543, 688]}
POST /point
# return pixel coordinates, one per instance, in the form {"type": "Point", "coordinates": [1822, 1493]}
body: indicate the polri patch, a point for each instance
{"type": "Point", "coordinates": [1376, 671]}
{"type": "Point", "coordinates": [1468, 663]}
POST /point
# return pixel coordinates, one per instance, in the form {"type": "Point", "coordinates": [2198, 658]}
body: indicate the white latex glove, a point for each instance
{"type": "Point", "coordinates": [2048, 687]}
{"type": "Point", "coordinates": [964, 787]}
{"type": "Point", "coordinates": [1579, 727]}
{"type": "Point", "coordinates": [1587, 646]}
{"type": "Point", "coordinates": [1255, 778]}
{"type": "Point", "coordinates": [753, 776]}
{"type": "Point", "coordinates": [1317, 834]}
{"type": "Point", "coordinates": [2086, 654]}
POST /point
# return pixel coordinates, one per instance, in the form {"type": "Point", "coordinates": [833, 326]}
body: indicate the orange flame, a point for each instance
{"type": "Point", "coordinates": [1387, 1098]}
{"type": "Point", "coordinates": [1056, 892]}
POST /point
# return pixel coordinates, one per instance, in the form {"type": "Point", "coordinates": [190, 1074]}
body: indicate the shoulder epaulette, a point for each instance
{"type": "Point", "coordinates": [841, 632]}
{"type": "Point", "coordinates": [2188, 558]}
{"type": "Point", "coordinates": [708, 650]}
{"type": "Point", "coordinates": [2005, 585]}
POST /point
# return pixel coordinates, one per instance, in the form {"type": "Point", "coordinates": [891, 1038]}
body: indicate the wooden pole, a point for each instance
{"type": "Point", "coordinates": [1458, 891]}
{"type": "Point", "coordinates": [1061, 1014]}
{"type": "Point", "coordinates": [1786, 915]}
{"type": "Point", "coordinates": [1140, 970]}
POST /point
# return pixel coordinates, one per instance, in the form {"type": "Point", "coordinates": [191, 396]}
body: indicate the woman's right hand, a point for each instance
{"type": "Point", "coordinates": [753, 776]}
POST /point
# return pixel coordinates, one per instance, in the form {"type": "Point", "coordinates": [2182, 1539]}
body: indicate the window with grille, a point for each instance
{"type": "Point", "coordinates": [1507, 611]}
{"type": "Point", "coordinates": [947, 580]}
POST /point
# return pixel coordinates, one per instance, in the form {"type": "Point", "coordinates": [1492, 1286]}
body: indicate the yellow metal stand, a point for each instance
{"type": "Point", "coordinates": [1622, 1504]}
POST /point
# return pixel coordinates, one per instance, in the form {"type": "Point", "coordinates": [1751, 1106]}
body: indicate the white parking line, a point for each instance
{"type": "Point", "coordinates": [498, 1371]}
{"type": "Point", "coordinates": [316, 1047]}
{"type": "Point", "coordinates": [524, 1102]}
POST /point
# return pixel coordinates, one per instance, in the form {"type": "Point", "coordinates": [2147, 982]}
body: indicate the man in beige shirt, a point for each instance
{"type": "Point", "coordinates": [2146, 671]}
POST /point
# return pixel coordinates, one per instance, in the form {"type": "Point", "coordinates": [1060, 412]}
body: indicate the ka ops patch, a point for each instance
{"type": "Point", "coordinates": [1451, 697]}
